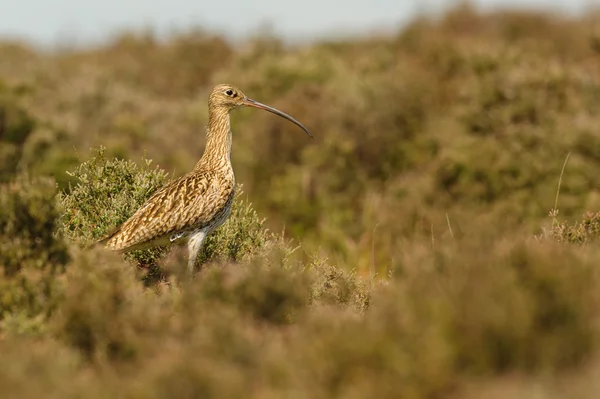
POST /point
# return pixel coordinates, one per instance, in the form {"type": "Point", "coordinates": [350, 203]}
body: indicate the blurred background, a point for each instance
{"type": "Point", "coordinates": [426, 114]}
{"type": "Point", "coordinates": [86, 22]}
{"type": "Point", "coordinates": [432, 245]}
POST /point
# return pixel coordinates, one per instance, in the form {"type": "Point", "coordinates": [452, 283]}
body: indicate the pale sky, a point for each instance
{"type": "Point", "coordinates": [78, 22]}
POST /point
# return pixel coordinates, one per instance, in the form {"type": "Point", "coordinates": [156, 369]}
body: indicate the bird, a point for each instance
{"type": "Point", "coordinates": [188, 209]}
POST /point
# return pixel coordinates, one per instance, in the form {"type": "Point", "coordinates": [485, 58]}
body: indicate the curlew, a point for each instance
{"type": "Point", "coordinates": [189, 208]}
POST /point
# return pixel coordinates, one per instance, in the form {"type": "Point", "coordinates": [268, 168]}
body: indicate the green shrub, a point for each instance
{"type": "Point", "coordinates": [107, 192]}
{"type": "Point", "coordinates": [242, 237]}
{"type": "Point", "coordinates": [32, 256]}
{"type": "Point", "coordinates": [16, 124]}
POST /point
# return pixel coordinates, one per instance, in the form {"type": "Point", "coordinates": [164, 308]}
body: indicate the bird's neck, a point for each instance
{"type": "Point", "coordinates": [217, 152]}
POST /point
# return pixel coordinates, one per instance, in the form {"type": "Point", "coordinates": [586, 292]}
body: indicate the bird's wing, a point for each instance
{"type": "Point", "coordinates": [191, 200]}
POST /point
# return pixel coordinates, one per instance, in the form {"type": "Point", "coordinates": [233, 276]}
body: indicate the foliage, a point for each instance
{"type": "Point", "coordinates": [105, 195]}
{"type": "Point", "coordinates": [580, 232]}
{"type": "Point", "coordinates": [419, 275]}
{"type": "Point", "coordinates": [396, 120]}
{"type": "Point", "coordinates": [108, 192]}
{"type": "Point", "coordinates": [32, 257]}
{"type": "Point", "coordinates": [15, 127]}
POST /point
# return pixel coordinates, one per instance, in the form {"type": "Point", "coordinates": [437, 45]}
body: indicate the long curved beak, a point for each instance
{"type": "Point", "coordinates": [251, 103]}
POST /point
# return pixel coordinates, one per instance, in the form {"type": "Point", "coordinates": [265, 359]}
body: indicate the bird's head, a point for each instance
{"type": "Point", "coordinates": [228, 97]}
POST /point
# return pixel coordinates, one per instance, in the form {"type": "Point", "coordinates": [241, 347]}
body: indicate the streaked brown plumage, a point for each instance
{"type": "Point", "coordinates": [188, 209]}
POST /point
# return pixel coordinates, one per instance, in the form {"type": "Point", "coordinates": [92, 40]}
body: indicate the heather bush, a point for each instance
{"type": "Point", "coordinates": [16, 124]}
{"type": "Point", "coordinates": [32, 256]}
{"type": "Point", "coordinates": [107, 192]}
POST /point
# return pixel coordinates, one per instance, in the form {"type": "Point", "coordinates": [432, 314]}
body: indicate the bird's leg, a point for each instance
{"type": "Point", "coordinates": [194, 244]}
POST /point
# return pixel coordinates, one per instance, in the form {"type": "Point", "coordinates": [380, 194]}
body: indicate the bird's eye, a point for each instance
{"type": "Point", "coordinates": [229, 92]}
